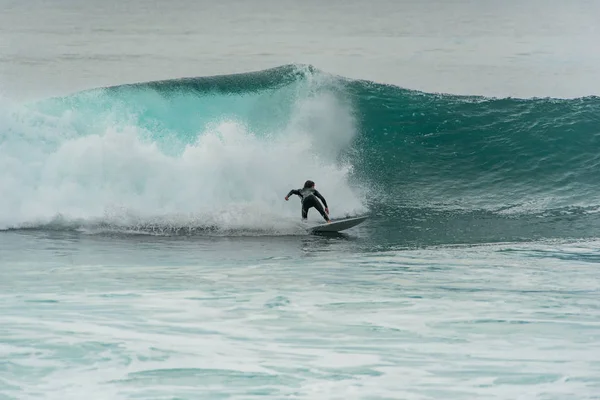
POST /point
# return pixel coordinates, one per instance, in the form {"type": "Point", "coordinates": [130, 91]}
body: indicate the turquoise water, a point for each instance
{"type": "Point", "coordinates": [146, 250]}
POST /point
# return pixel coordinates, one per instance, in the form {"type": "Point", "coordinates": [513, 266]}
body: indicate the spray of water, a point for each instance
{"type": "Point", "coordinates": [55, 171]}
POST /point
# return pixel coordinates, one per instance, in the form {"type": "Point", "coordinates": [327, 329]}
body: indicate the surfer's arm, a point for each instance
{"type": "Point", "coordinates": [293, 191]}
{"type": "Point", "coordinates": [320, 196]}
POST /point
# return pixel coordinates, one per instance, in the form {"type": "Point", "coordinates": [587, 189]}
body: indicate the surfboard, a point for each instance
{"type": "Point", "coordinates": [337, 226]}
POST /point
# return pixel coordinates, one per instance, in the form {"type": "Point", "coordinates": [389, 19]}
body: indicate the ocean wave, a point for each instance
{"type": "Point", "coordinates": [222, 152]}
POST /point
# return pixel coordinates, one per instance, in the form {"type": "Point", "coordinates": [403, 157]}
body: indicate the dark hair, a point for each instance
{"type": "Point", "coordinates": [308, 184]}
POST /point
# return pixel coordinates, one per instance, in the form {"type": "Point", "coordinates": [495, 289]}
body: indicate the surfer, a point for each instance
{"type": "Point", "coordinates": [309, 196]}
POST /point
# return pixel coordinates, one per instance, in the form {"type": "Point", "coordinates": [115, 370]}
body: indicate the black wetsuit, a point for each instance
{"type": "Point", "coordinates": [309, 199]}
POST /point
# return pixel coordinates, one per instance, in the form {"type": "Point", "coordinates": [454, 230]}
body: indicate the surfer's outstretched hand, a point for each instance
{"type": "Point", "coordinates": [327, 211]}
{"type": "Point", "coordinates": [286, 198]}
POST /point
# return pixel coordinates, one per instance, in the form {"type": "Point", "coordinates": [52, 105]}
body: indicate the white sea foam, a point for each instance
{"type": "Point", "coordinates": [230, 177]}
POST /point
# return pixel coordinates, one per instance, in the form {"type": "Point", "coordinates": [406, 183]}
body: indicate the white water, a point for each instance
{"type": "Point", "coordinates": [229, 176]}
{"type": "Point", "coordinates": [310, 318]}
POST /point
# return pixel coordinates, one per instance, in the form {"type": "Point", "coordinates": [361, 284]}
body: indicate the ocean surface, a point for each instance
{"type": "Point", "coordinates": [147, 251]}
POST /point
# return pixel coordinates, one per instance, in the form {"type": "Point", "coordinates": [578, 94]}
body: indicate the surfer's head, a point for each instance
{"type": "Point", "coordinates": [309, 184]}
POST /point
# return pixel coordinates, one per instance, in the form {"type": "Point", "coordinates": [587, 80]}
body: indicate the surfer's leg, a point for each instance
{"type": "Point", "coordinates": [305, 206]}
{"type": "Point", "coordinates": [319, 208]}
